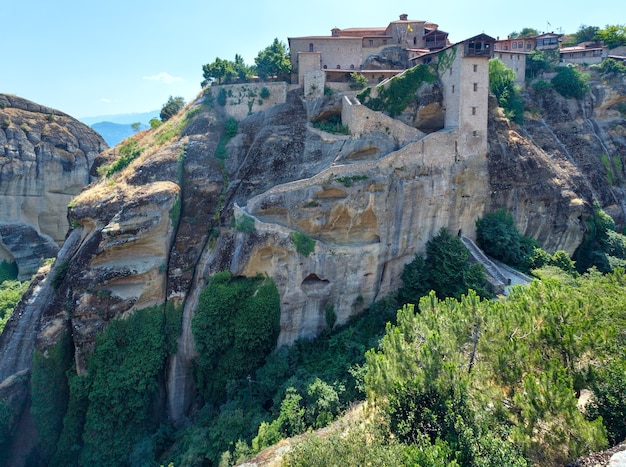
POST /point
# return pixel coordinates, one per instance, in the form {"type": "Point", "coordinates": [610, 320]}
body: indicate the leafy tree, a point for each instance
{"type": "Point", "coordinates": [613, 35]}
{"type": "Point", "coordinates": [136, 127]}
{"type": "Point", "coordinates": [570, 82]}
{"type": "Point", "coordinates": [155, 123]}
{"type": "Point", "coordinates": [539, 61]}
{"type": "Point", "coordinates": [242, 71]}
{"type": "Point", "coordinates": [446, 270]}
{"type": "Point", "coordinates": [220, 70]}
{"type": "Point", "coordinates": [611, 67]}
{"type": "Point", "coordinates": [502, 84]}
{"type": "Point", "coordinates": [609, 399]}
{"type": "Point", "coordinates": [357, 80]}
{"type": "Point", "coordinates": [171, 107]}
{"type": "Point", "coordinates": [525, 32]}
{"type": "Point", "coordinates": [586, 33]}
{"type": "Point", "coordinates": [273, 61]}
{"type": "Point", "coordinates": [497, 235]}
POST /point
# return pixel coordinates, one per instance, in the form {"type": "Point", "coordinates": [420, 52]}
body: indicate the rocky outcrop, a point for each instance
{"type": "Point", "coordinates": [568, 155]}
{"type": "Point", "coordinates": [45, 157]}
{"type": "Point", "coordinates": [155, 232]}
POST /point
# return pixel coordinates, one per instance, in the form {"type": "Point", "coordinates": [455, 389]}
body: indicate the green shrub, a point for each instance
{"type": "Point", "coordinates": [265, 93]}
{"type": "Point", "coordinates": [49, 407]}
{"type": "Point", "coordinates": [570, 82]}
{"type": "Point", "coordinates": [230, 127]}
{"type": "Point", "coordinates": [123, 371]}
{"type": "Point", "coordinates": [235, 326]}
{"type": "Point", "coordinates": [357, 80]}
{"type": "Point", "coordinates": [332, 124]}
{"type": "Point", "coordinates": [446, 270]}
{"type": "Point", "coordinates": [399, 92]}
{"type": "Point", "coordinates": [609, 399]}
{"type": "Point", "coordinates": [305, 245]}
{"type": "Point", "coordinates": [10, 294]}
{"type": "Point", "coordinates": [542, 86]}
{"type": "Point", "coordinates": [245, 224]}
{"type": "Point", "coordinates": [129, 150]}
{"type": "Point", "coordinates": [348, 180]}
{"type": "Point", "coordinates": [221, 97]}
{"type": "Point", "coordinates": [171, 107]}
{"type": "Point", "coordinates": [58, 273]}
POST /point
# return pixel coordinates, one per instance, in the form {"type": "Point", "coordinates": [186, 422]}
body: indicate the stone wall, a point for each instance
{"type": "Point", "coordinates": [245, 99]}
{"type": "Point", "coordinates": [360, 120]}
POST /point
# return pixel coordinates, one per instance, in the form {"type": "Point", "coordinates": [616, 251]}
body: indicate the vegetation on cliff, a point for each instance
{"type": "Point", "coordinates": [473, 382]}
{"type": "Point", "coordinates": [11, 292]}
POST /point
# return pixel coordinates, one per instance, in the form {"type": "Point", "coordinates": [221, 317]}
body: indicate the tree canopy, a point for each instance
{"type": "Point", "coordinates": [586, 33]}
{"type": "Point", "coordinates": [525, 32]}
{"type": "Point", "coordinates": [171, 107]}
{"type": "Point", "coordinates": [273, 61]}
{"type": "Point", "coordinates": [613, 35]}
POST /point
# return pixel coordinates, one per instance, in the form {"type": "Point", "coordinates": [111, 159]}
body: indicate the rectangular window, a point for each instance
{"type": "Point", "coordinates": [473, 110]}
{"type": "Point", "coordinates": [475, 87]}
{"type": "Point", "coordinates": [514, 45]}
{"type": "Point", "coordinates": [371, 42]}
{"type": "Point", "coordinates": [520, 45]}
{"type": "Point", "coordinates": [475, 133]}
{"type": "Point", "coordinates": [528, 45]}
{"type": "Point", "coordinates": [475, 67]}
{"type": "Point", "coordinates": [453, 89]}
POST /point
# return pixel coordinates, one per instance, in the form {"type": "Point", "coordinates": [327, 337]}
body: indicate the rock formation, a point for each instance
{"type": "Point", "coordinates": [156, 231]}
{"type": "Point", "coordinates": [45, 158]}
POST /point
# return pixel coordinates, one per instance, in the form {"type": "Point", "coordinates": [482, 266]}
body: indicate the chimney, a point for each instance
{"type": "Point", "coordinates": [404, 17]}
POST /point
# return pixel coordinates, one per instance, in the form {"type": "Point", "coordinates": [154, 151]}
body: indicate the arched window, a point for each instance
{"type": "Point", "coordinates": [311, 47]}
{"type": "Point", "coordinates": [325, 66]}
{"type": "Point", "coordinates": [352, 67]}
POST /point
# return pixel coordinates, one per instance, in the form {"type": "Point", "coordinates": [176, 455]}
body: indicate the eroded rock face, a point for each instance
{"type": "Point", "coordinates": [369, 203]}
{"type": "Point", "coordinates": [45, 156]}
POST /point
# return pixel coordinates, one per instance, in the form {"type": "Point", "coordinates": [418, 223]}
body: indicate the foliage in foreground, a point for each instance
{"type": "Point", "coordinates": [484, 383]}
{"type": "Point", "coordinates": [507, 372]}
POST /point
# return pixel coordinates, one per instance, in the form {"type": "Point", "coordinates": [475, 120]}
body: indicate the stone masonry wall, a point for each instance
{"type": "Point", "coordinates": [245, 99]}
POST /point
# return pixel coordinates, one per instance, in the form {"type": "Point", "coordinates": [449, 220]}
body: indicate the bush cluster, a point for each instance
{"type": "Point", "coordinates": [400, 91]}
{"type": "Point", "coordinates": [446, 270]}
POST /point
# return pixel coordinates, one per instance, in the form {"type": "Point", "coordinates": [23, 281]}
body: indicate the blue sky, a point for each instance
{"type": "Point", "coordinates": [91, 58]}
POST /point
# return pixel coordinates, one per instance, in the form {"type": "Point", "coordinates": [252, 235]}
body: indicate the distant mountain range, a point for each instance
{"type": "Point", "coordinates": [115, 128]}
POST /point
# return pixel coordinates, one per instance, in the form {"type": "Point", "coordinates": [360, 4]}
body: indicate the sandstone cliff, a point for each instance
{"type": "Point", "coordinates": [156, 231]}
{"type": "Point", "coordinates": [44, 161]}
